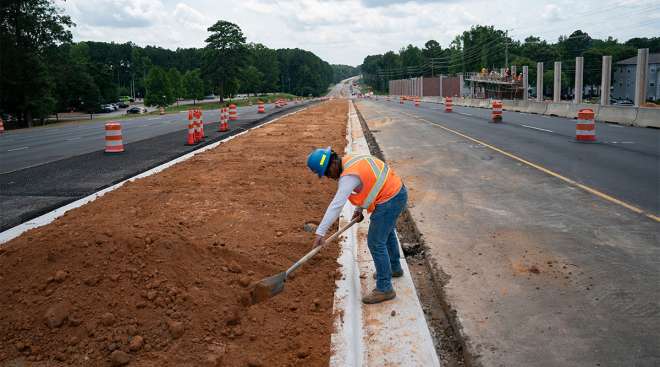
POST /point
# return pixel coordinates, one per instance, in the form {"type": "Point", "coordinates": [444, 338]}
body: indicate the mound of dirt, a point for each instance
{"type": "Point", "coordinates": [158, 271]}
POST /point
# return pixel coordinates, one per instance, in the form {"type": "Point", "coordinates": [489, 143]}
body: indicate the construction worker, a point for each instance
{"type": "Point", "coordinates": [368, 183]}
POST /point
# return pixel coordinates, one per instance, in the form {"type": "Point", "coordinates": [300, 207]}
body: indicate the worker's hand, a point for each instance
{"type": "Point", "coordinates": [358, 214]}
{"type": "Point", "coordinates": [318, 241]}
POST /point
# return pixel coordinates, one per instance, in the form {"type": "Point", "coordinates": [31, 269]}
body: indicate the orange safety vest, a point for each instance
{"type": "Point", "coordinates": [379, 182]}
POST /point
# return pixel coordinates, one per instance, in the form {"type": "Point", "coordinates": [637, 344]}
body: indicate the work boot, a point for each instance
{"type": "Point", "coordinates": [377, 296]}
{"type": "Point", "coordinates": [395, 274]}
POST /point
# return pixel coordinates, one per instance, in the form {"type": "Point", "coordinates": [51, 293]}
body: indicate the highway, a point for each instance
{"type": "Point", "coordinates": [624, 163]}
{"type": "Point", "coordinates": [20, 149]}
{"type": "Point", "coordinates": [533, 269]}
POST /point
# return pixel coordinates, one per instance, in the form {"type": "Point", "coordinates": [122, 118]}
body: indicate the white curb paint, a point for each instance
{"type": "Point", "coordinates": [16, 231]}
{"type": "Point", "coordinates": [378, 338]}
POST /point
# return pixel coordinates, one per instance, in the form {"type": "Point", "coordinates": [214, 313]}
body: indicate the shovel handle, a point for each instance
{"type": "Point", "coordinates": [315, 250]}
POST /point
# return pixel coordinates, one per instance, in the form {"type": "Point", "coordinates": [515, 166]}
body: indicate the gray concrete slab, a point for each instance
{"type": "Point", "coordinates": [537, 271]}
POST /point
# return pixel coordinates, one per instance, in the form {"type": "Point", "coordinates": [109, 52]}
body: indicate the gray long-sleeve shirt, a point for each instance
{"type": "Point", "coordinates": [346, 185]}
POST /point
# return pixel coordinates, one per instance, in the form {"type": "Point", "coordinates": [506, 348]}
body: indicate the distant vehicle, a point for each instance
{"type": "Point", "coordinates": [136, 110]}
{"type": "Point", "coordinates": [107, 108]}
{"type": "Point", "coordinates": [114, 106]}
{"type": "Point", "coordinates": [122, 104]}
{"type": "Point", "coordinates": [622, 102]}
{"type": "Point", "coordinates": [210, 96]}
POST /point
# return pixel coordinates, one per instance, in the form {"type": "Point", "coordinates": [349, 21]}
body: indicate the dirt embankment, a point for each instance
{"type": "Point", "coordinates": [154, 273]}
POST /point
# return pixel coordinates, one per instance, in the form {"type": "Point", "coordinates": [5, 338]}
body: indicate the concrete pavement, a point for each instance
{"type": "Point", "coordinates": [624, 163]}
{"type": "Point", "coordinates": [536, 272]}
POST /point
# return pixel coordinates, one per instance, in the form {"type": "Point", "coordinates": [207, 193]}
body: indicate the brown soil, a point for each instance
{"type": "Point", "coordinates": [158, 272]}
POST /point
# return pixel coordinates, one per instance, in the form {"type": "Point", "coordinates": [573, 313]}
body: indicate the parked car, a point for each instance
{"type": "Point", "coordinates": [210, 96]}
{"type": "Point", "coordinates": [114, 106]}
{"type": "Point", "coordinates": [107, 108]}
{"type": "Point", "coordinates": [136, 109]}
{"type": "Point", "coordinates": [122, 104]}
{"type": "Point", "coordinates": [623, 102]}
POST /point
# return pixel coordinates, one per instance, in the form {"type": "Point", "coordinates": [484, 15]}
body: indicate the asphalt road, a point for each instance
{"type": "Point", "coordinates": [20, 149]}
{"type": "Point", "coordinates": [624, 163]}
{"type": "Point", "coordinates": [534, 271]}
{"type": "Point", "coordinates": [55, 171]}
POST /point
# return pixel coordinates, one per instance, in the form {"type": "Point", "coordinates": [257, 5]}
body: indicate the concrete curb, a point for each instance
{"type": "Point", "coordinates": [47, 218]}
{"type": "Point", "coordinates": [392, 333]}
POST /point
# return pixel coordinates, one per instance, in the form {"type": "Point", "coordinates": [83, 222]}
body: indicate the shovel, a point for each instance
{"type": "Point", "coordinates": [269, 287]}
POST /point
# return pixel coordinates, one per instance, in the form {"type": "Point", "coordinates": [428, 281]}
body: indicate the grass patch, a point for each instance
{"type": "Point", "coordinates": [204, 105]}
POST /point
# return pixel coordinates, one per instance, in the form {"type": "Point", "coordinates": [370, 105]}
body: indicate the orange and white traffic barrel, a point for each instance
{"type": "Point", "coordinates": [233, 114]}
{"type": "Point", "coordinates": [585, 128]}
{"type": "Point", "coordinates": [113, 138]}
{"type": "Point", "coordinates": [448, 104]}
{"type": "Point", "coordinates": [191, 133]}
{"type": "Point", "coordinates": [202, 136]}
{"type": "Point", "coordinates": [261, 108]}
{"type": "Point", "coordinates": [2, 125]}
{"type": "Point", "coordinates": [416, 102]}
{"type": "Point", "coordinates": [224, 125]}
{"type": "Point", "coordinates": [496, 114]}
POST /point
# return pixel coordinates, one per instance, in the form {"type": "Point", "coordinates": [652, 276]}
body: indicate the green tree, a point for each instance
{"type": "Point", "coordinates": [193, 85]}
{"type": "Point", "coordinates": [223, 55]}
{"type": "Point", "coordinates": [29, 30]}
{"type": "Point", "coordinates": [176, 82]}
{"type": "Point", "coordinates": [251, 80]}
{"type": "Point", "coordinates": [265, 60]}
{"type": "Point", "coordinates": [159, 89]}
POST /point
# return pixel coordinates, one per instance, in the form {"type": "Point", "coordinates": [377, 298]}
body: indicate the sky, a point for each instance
{"type": "Point", "coordinates": [345, 31]}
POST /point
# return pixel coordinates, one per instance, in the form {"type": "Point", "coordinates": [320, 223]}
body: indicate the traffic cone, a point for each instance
{"type": "Point", "coordinates": [2, 126]}
{"type": "Point", "coordinates": [191, 133]}
{"type": "Point", "coordinates": [233, 113]}
{"type": "Point", "coordinates": [261, 108]}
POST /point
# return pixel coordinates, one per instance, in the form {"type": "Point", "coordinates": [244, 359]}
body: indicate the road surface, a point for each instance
{"type": "Point", "coordinates": [535, 270]}
{"type": "Point", "coordinates": [20, 149]}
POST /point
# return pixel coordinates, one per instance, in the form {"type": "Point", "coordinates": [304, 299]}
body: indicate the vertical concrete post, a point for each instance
{"type": "Point", "coordinates": [641, 76]}
{"type": "Point", "coordinates": [514, 69]}
{"type": "Point", "coordinates": [556, 88]}
{"type": "Point", "coordinates": [579, 67]}
{"type": "Point", "coordinates": [606, 81]}
{"type": "Point", "coordinates": [421, 87]}
{"type": "Point", "coordinates": [460, 85]}
{"type": "Point", "coordinates": [539, 82]}
{"type": "Point", "coordinates": [525, 84]}
{"type": "Point", "coordinates": [441, 94]}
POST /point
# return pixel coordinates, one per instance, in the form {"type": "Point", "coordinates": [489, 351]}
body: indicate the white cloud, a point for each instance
{"type": "Point", "coordinates": [345, 31]}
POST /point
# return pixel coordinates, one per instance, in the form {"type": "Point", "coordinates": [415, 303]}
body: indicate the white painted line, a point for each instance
{"type": "Point", "coordinates": [15, 149]}
{"type": "Point", "coordinates": [16, 231]}
{"type": "Point", "coordinates": [154, 118]}
{"type": "Point", "coordinates": [76, 138]}
{"type": "Point", "coordinates": [622, 142]}
{"type": "Point", "coordinates": [463, 113]}
{"type": "Point", "coordinates": [537, 128]}
{"type": "Point", "coordinates": [618, 126]}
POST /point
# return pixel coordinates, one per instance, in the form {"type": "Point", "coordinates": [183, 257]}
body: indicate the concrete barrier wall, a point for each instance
{"type": "Point", "coordinates": [619, 114]}
{"type": "Point", "coordinates": [648, 117]}
{"type": "Point", "coordinates": [537, 107]}
{"type": "Point", "coordinates": [557, 109]}
{"type": "Point", "coordinates": [575, 108]}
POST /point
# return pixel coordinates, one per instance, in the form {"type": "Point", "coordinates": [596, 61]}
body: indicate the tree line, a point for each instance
{"type": "Point", "coordinates": [42, 71]}
{"type": "Point", "coordinates": [491, 48]}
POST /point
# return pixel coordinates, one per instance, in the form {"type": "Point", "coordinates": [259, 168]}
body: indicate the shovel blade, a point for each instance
{"type": "Point", "coordinates": [267, 287]}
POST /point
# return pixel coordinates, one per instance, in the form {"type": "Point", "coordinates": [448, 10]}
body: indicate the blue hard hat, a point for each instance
{"type": "Point", "coordinates": [318, 160]}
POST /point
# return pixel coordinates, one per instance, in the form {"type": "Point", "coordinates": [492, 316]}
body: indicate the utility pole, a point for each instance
{"type": "Point", "coordinates": [506, 55]}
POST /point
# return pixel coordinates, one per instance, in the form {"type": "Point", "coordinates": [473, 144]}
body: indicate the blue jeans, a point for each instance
{"type": "Point", "coordinates": [382, 241]}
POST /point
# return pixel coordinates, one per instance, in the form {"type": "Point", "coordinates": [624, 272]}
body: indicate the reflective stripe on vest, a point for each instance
{"type": "Point", "coordinates": [381, 176]}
